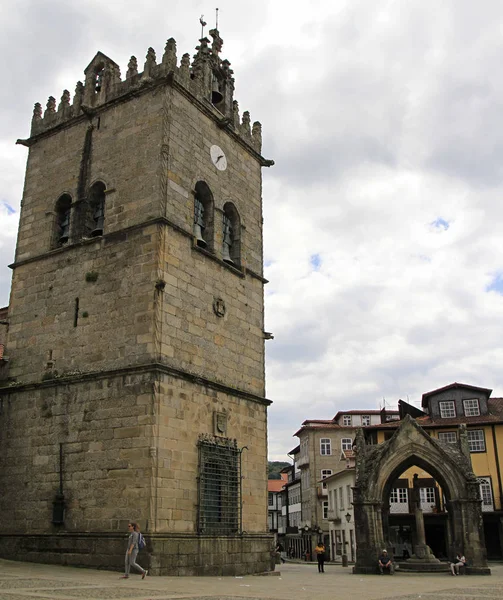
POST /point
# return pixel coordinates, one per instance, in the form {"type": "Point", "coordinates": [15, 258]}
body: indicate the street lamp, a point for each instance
{"type": "Point", "coordinates": [348, 517]}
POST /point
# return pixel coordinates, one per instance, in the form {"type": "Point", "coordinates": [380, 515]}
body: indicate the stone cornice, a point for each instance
{"type": "Point", "coordinates": [109, 237]}
{"type": "Point", "coordinates": [136, 91]}
{"type": "Point", "coordinates": [154, 367]}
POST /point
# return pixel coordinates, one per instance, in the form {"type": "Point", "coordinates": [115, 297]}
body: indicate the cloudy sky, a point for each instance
{"type": "Point", "coordinates": [384, 212]}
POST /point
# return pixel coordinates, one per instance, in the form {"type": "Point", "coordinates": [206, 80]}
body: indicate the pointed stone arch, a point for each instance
{"type": "Point", "coordinates": [377, 466]}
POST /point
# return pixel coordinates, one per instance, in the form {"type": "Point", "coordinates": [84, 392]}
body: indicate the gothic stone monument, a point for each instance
{"type": "Point", "coordinates": [377, 467]}
{"type": "Point", "coordinates": [135, 384]}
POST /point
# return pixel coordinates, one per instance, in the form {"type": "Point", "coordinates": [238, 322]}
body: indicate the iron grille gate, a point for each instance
{"type": "Point", "coordinates": [219, 508]}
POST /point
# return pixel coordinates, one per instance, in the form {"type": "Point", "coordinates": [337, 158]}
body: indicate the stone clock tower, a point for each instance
{"type": "Point", "coordinates": [132, 380]}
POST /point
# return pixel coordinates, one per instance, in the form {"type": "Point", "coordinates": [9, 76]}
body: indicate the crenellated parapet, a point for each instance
{"type": "Point", "coordinates": [208, 78]}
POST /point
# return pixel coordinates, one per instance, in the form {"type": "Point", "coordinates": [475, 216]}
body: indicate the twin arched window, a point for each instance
{"type": "Point", "coordinates": [89, 216]}
{"type": "Point", "coordinates": [204, 225]}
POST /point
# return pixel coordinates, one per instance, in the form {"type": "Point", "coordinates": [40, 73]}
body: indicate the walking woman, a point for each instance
{"type": "Point", "coordinates": [320, 555]}
{"type": "Point", "coordinates": [132, 551]}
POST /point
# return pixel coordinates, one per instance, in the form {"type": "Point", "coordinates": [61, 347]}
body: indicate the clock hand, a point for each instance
{"type": "Point", "coordinates": [221, 156]}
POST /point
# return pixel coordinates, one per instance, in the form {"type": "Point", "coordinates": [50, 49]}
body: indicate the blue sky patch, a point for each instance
{"type": "Point", "coordinates": [496, 284]}
{"type": "Point", "coordinates": [315, 261]}
{"type": "Point", "coordinates": [9, 208]}
{"type": "Point", "coordinates": [440, 223]}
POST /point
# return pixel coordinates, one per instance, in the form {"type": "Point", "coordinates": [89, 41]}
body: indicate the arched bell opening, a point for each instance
{"type": "Point", "coordinates": [203, 216]}
{"type": "Point", "coordinates": [61, 230]}
{"type": "Point", "coordinates": [231, 235]}
{"type": "Point", "coordinates": [96, 214]}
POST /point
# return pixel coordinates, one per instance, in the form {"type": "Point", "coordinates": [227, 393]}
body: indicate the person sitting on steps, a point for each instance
{"type": "Point", "coordinates": [385, 562]}
{"type": "Point", "coordinates": [459, 561]}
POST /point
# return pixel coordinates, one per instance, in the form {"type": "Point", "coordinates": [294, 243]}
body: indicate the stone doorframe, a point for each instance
{"type": "Point", "coordinates": [377, 467]}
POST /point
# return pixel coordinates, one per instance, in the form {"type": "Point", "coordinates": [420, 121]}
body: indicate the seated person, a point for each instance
{"type": "Point", "coordinates": [459, 561]}
{"type": "Point", "coordinates": [385, 562]}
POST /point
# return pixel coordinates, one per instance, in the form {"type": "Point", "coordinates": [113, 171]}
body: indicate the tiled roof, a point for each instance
{"type": "Point", "coordinates": [363, 412]}
{"type": "Point", "coordinates": [276, 485]}
{"type": "Point", "coordinates": [320, 425]}
{"type": "Point", "coordinates": [495, 406]}
{"type": "Point", "coordinates": [349, 453]}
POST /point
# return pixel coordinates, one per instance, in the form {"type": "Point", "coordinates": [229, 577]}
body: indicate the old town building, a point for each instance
{"type": "Point", "coordinates": [134, 387]}
{"type": "Point", "coordinates": [323, 451]}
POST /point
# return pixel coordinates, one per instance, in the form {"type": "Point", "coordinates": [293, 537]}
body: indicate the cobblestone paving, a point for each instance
{"type": "Point", "coordinates": [471, 593]}
{"type": "Point", "coordinates": [24, 581]}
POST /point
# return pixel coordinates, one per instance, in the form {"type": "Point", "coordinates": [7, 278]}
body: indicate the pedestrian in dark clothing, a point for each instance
{"type": "Point", "coordinates": [320, 555]}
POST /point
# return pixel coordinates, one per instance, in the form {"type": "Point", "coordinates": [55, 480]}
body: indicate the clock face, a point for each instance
{"type": "Point", "coordinates": [218, 158]}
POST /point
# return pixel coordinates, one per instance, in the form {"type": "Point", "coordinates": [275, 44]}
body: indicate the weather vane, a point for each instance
{"type": "Point", "coordinates": [216, 18]}
{"type": "Point", "coordinates": [203, 25]}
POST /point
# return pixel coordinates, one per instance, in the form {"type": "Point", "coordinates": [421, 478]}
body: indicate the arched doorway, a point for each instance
{"type": "Point", "coordinates": [379, 466]}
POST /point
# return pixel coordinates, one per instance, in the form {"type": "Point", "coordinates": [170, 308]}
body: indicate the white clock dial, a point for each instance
{"type": "Point", "coordinates": [218, 158]}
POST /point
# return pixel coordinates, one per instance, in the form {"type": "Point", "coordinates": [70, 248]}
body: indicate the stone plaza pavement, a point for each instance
{"type": "Point", "coordinates": [22, 581]}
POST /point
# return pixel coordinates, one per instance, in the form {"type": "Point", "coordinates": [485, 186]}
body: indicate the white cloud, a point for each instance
{"type": "Point", "coordinates": [383, 120]}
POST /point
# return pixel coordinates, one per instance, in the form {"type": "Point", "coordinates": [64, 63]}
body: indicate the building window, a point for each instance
{"type": "Point", "coordinates": [447, 409]}
{"type": "Point", "coordinates": [348, 494]}
{"type": "Point", "coordinates": [62, 228]}
{"type": "Point", "coordinates": [365, 420]}
{"type": "Point", "coordinates": [450, 437]}
{"type": "Point", "coordinates": [203, 216]}
{"type": "Point", "coordinates": [324, 474]}
{"type": "Point", "coordinates": [325, 509]}
{"type": "Point", "coordinates": [486, 493]}
{"type": "Point", "coordinates": [219, 488]}
{"type": "Point", "coordinates": [427, 495]}
{"type": "Point", "coordinates": [96, 222]}
{"type": "Point", "coordinates": [476, 440]}
{"type": "Point", "coordinates": [471, 408]}
{"type": "Point", "coordinates": [270, 499]}
{"type": "Point", "coordinates": [341, 499]}
{"type": "Point", "coordinates": [325, 447]}
{"type": "Point", "coordinates": [346, 420]}
{"type": "Point", "coordinates": [398, 496]}
{"type": "Point", "coordinates": [347, 443]}
{"type": "Point", "coordinates": [231, 244]}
